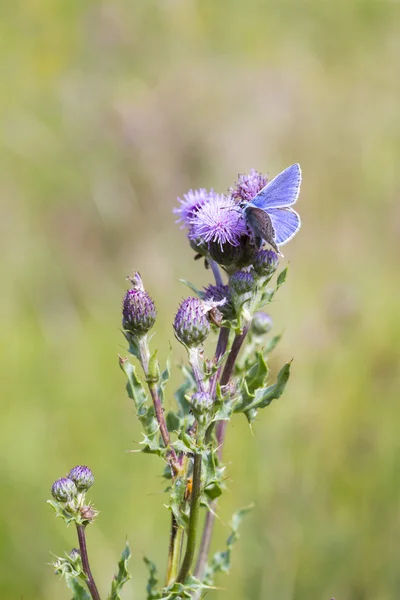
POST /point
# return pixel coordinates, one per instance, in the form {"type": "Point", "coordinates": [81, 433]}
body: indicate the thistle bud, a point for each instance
{"type": "Point", "coordinates": [262, 323]}
{"type": "Point", "coordinates": [242, 282]}
{"type": "Point", "coordinates": [191, 323]}
{"type": "Point", "coordinates": [64, 490]}
{"type": "Point", "coordinates": [220, 293]}
{"type": "Point", "coordinates": [138, 312]}
{"type": "Point", "coordinates": [82, 477]}
{"type": "Point", "coordinates": [201, 402]}
{"type": "Point", "coordinates": [266, 262]}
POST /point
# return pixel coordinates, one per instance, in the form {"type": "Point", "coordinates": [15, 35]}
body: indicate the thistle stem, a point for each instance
{"type": "Point", "coordinates": [193, 521]}
{"type": "Point", "coordinates": [220, 434]}
{"type": "Point", "coordinates": [85, 563]}
{"type": "Point", "coordinates": [144, 354]}
{"type": "Point", "coordinates": [216, 272]}
{"type": "Point", "coordinates": [175, 548]}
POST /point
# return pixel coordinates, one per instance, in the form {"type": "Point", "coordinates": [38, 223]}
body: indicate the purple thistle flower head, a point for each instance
{"type": "Point", "coordinates": [191, 323]}
{"type": "Point", "coordinates": [138, 312]}
{"type": "Point", "coordinates": [242, 282]}
{"type": "Point", "coordinates": [201, 402]}
{"type": "Point", "coordinates": [219, 221]}
{"type": "Point", "coordinates": [82, 477]}
{"type": "Point", "coordinates": [64, 490]}
{"type": "Point", "coordinates": [266, 262]}
{"type": "Point", "coordinates": [191, 203]}
{"type": "Point", "coordinates": [262, 323]}
{"type": "Point", "coordinates": [248, 186]}
{"type": "Point", "coordinates": [218, 293]}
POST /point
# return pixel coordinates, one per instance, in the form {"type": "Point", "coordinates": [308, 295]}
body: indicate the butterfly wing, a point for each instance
{"type": "Point", "coordinates": [285, 222]}
{"type": "Point", "coordinates": [281, 191]}
{"type": "Point", "coordinates": [261, 225]}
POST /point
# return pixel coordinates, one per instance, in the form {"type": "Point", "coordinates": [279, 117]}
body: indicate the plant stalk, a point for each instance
{"type": "Point", "coordinates": [220, 434]}
{"type": "Point", "coordinates": [193, 521]}
{"type": "Point", "coordinates": [85, 563]}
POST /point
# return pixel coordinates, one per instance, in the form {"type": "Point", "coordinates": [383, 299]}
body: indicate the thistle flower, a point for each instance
{"type": "Point", "coordinates": [242, 282]}
{"type": "Point", "coordinates": [265, 262]}
{"type": "Point", "coordinates": [138, 312]}
{"type": "Point", "coordinates": [248, 186]}
{"type": "Point", "coordinates": [218, 221]}
{"type": "Point", "coordinates": [201, 402]}
{"type": "Point", "coordinates": [191, 203]}
{"type": "Point", "coordinates": [191, 323]}
{"type": "Point", "coordinates": [82, 477]}
{"type": "Point", "coordinates": [262, 323]}
{"type": "Point", "coordinates": [220, 293]}
{"type": "Point", "coordinates": [64, 490]}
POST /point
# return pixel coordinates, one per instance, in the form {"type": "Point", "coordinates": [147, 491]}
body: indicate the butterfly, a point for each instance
{"type": "Point", "coordinates": [269, 214]}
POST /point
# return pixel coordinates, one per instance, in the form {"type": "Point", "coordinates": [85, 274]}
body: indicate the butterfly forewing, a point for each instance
{"type": "Point", "coordinates": [281, 191]}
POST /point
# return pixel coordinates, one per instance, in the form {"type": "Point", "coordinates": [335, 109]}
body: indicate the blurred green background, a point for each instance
{"type": "Point", "coordinates": [108, 112]}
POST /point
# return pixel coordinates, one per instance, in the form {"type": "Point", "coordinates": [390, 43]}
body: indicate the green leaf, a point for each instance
{"type": "Point", "coordinates": [122, 576]}
{"type": "Point", "coordinates": [281, 277]}
{"type": "Point", "coordinates": [173, 422]}
{"type": "Point", "coordinates": [152, 580]}
{"type": "Point", "coordinates": [80, 592]}
{"type": "Point", "coordinates": [165, 375]}
{"type": "Point", "coordinates": [221, 561]}
{"type": "Point", "coordinates": [272, 343]}
{"type": "Point", "coordinates": [144, 412]}
{"type": "Point", "coordinates": [264, 396]}
{"type": "Point", "coordinates": [192, 287]}
{"type": "Point", "coordinates": [257, 374]}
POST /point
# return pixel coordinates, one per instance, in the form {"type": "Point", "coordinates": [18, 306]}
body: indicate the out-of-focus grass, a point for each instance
{"type": "Point", "coordinates": [108, 111]}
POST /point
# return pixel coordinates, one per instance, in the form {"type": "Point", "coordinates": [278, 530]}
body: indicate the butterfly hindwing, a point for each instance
{"type": "Point", "coordinates": [285, 222]}
{"type": "Point", "coordinates": [261, 225]}
{"type": "Point", "coordinates": [281, 191]}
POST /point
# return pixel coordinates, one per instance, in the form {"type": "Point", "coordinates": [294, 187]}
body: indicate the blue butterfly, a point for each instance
{"type": "Point", "coordinates": [269, 215]}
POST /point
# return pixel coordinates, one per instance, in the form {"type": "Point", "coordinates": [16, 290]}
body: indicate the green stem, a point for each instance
{"type": "Point", "coordinates": [175, 549]}
{"type": "Point", "coordinates": [193, 521]}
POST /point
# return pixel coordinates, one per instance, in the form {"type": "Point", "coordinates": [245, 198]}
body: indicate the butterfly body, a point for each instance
{"type": "Point", "coordinates": [269, 214]}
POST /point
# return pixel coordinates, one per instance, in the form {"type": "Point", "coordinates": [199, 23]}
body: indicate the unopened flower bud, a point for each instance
{"type": "Point", "coordinates": [191, 323]}
{"type": "Point", "coordinates": [201, 402]}
{"type": "Point", "coordinates": [64, 490]}
{"type": "Point", "coordinates": [82, 477]}
{"type": "Point", "coordinates": [88, 513]}
{"type": "Point", "coordinates": [242, 282]}
{"type": "Point", "coordinates": [138, 312]}
{"type": "Point", "coordinates": [220, 293]}
{"type": "Point", "coordinates": [262, 323]}
{"type": "Point", "coordinates": [266, 262]}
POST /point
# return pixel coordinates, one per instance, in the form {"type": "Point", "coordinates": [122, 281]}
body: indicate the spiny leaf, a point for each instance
{"type": "Point", "coordinates": [152, 580]}
{"type": "Point", "coordinates": [221, 561]}
{"type": "Point", "coordinates": [264, 396]}
{"type": "Point", "coordinates": [122, 576]}
{"type": "Point", "coordinates": [281, 278]}
{"type": "Point", "coordinates": [80, 592]}
{"type": "Point", "coordinates": [165, 375]}
{"type": "Point", "coordinates": [192, 287]}
{"type": "Point", "coordinates": [272, 343]}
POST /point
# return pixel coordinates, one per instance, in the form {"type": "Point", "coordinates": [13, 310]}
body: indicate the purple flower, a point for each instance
{"type": "Point", "coordinates": [218, 293]}
{"type": "Point", "coordinates": [138, 312]}
{"type": "Point", "coordinates": [248, 186]}
{"type": "Point", "coordinates": [266, 262]}
{"type": "Point", "coordinates": [262, 323]}
{"type": "Point", "coordinates": [64, 489]}
{"type": "Point", "coordinates": [242, 282]}
{"type": "Point", "coordinates": [82, 477]}
{"type": "Point", "coordinates": [219, 221]}
{"type": "Point", "coordinates": [191, 203]}
{"type": "Point", "coordinates": [191, 323]}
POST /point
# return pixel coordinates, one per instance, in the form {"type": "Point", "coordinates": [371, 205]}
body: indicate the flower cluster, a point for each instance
{"type": "Point", "coordinates": [216, 226]}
